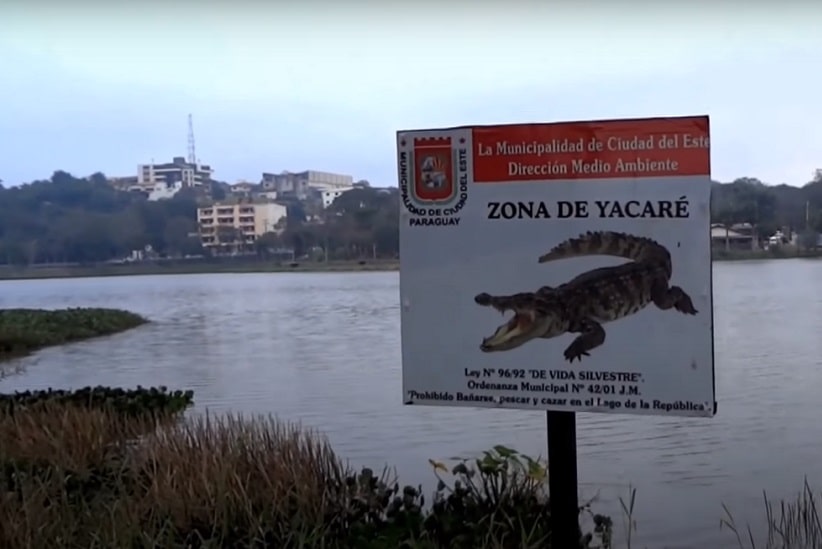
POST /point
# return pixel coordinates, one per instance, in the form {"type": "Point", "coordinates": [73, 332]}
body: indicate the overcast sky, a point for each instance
{"type": "Point", "coordinates": [95, 87]}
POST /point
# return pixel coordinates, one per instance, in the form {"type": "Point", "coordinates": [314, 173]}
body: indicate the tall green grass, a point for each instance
{"type": "Point", "coordinates": [71, 475]}
{"type": "Point", "coordinates": [787, 524]}
{"type": "Point", "coordinates": [790, 524]}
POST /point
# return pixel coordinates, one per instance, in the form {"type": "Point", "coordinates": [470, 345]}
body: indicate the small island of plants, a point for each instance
{"type": "Point", "coordinates": [23, 331]}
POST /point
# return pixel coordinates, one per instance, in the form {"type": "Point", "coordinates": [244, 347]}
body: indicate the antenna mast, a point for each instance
{"type": "Point", "coordinates": [192, 155]}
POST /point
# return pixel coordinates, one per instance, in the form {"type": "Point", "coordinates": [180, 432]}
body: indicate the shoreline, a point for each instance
{"type": "Point", "coordinates": [239, 267]}
{"type": "Point", "coordinates": [180, 268]}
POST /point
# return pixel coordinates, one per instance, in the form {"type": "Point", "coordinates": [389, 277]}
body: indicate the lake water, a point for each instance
{"type": "Point", "coordinates": [325, 349]}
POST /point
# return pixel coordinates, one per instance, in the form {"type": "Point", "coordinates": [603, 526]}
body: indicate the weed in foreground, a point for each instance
{"type": "Point", "coordinates": [75, 476]}
{"type": "Point", "coordinates": [791, 524]}
{"type": "Point", "coordinates": [98, 477]}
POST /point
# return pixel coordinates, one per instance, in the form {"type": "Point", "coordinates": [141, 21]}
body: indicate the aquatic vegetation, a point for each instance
{"type": "Point", "coordinates": [792, 524]}
{"type": "Point", "coordinates": [151, 401]}
{"type": "Point", "coordinates": [75, 474]}
{"type": "Point", "coordinates": [23, 331]}
{"type": "Point", "coordinates": [77, 471]}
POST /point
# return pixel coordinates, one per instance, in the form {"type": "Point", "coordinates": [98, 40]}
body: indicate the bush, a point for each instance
{"type": "Point", "coordinates": [73, 475]}
{"type": "Point", "coordinates": [77, 469]}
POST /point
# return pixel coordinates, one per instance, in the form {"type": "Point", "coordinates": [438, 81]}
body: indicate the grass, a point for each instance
{"type": "Point", "coordinates": [23, 331]}
{"type": "Point", "coordinates": [76, 472]}
{"type": "Point", "coordinates": [75, 477]}
{"type": "Point", "coordinates": [94, 489]}
{"type": "Point", "coordinates": [788, 524]}
{"type": "Point", "coordinates": [792, 524]}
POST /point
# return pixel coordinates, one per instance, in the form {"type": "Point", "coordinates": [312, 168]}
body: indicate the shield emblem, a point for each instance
{"type": "Point", "coordinates": [433, 170]}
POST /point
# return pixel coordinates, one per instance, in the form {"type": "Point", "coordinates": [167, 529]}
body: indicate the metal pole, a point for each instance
{"type": "Point", "coordinates": [562, 480]}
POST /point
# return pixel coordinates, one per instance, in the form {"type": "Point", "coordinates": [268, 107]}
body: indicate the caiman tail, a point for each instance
{"type": "Point", "coordinates": [636, 248]}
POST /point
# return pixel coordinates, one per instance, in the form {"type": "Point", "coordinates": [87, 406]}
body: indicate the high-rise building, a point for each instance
{"type": "Point", "coordinates": [237, 224]}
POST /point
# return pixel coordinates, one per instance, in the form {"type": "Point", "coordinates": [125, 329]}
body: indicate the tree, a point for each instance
{"type": "Point", "coordinates": [178, 237]}
{"type": "Point", "coordinates": [217, 191]}
{"type": "Point", "coordinates": [68, 219]}
{"type": "Point", "coordinates": [267, 243]}
{"type": "Point", "coordinates": [807, 240]}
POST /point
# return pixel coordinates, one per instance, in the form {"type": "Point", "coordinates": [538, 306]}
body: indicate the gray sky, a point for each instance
{"type": "Point", "coordinates": [97, 87]}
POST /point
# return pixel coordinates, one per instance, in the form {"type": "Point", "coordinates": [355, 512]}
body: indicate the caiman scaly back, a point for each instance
{"type": "Point", "coordinates": [591, 299]}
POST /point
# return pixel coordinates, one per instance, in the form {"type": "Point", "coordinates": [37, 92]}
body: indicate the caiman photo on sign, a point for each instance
{"type": "Point", "coordinates": [592, 298]}
{"type": "Point", "coordinates": [602, 277]}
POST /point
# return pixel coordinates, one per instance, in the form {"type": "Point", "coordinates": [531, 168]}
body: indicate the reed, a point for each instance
{"type": "Point", "coordinates": [94, 477]}
{"type": "Point", "coordinates": [89, 474]}
{"type": "Point", "coordinates": [790, 524]}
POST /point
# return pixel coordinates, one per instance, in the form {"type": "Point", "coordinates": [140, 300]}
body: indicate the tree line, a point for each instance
{"type": "Point", "coordinates": [66, 219]}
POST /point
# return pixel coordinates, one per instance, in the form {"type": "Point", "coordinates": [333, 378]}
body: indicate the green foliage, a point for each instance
{"type": "Point", "coordinates": [793, 524]}
{"type": "Point", "coordinates": [77, 471]}
{"type": "Point", "coordinates": [66, 219]}
{"type": "Point", "coordinates": [498, 500]}
{"type": "Point", "coordinates": [74, 474]}
{"type": "Point", "coordinates": [127, 402]}
{"type": "Point", "coordinates": [25, 330]}
{"type": "Point", "coordinates": [71, 220]}
{"type": "Point", "coordinates": [361, 223]}
{"type": "Point", "coordinates": [767, 207]}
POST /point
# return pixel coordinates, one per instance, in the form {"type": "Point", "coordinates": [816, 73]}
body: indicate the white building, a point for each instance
{"type": "Point", "coordinates": [171, 173]}
{"type": "Point", "coordinates": [243, 189]}
{"type": "Point", "coordinates": [329, 196]}
{"type": "Point", "coordinates": [301, 184]}
{"type": "Point", "coordinates": [164, 191]}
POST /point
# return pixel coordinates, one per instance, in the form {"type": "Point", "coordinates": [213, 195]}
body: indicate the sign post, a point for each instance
{"type": "Point", "coordinates": [593, 239]}
{"type": "Point", "coordinates": [562, 478]}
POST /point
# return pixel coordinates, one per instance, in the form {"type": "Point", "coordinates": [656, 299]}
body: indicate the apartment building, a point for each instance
{"type": "Point", "coordinates": [235, 225]}
{"type": "Point", "coordinates": [301, 185]}
{"type": "Point", "coordinates": [177, 172]}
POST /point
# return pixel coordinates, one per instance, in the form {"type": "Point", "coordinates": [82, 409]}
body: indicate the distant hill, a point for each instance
{"type": "Point", "coordinates": [66, 219]}
{"type": "Point", "coordinates": [69, 219]}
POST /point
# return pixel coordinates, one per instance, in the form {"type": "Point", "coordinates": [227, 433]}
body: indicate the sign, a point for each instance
{"type": "Point", "coordinates": [562, 266]}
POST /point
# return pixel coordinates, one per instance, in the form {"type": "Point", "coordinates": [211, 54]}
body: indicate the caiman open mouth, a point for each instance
{"type": "Point", "coordinates": [517, 325]}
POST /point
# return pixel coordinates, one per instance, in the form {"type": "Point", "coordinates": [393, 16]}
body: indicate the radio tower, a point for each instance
{"type": "Point", "coordinates": [192, 154]}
